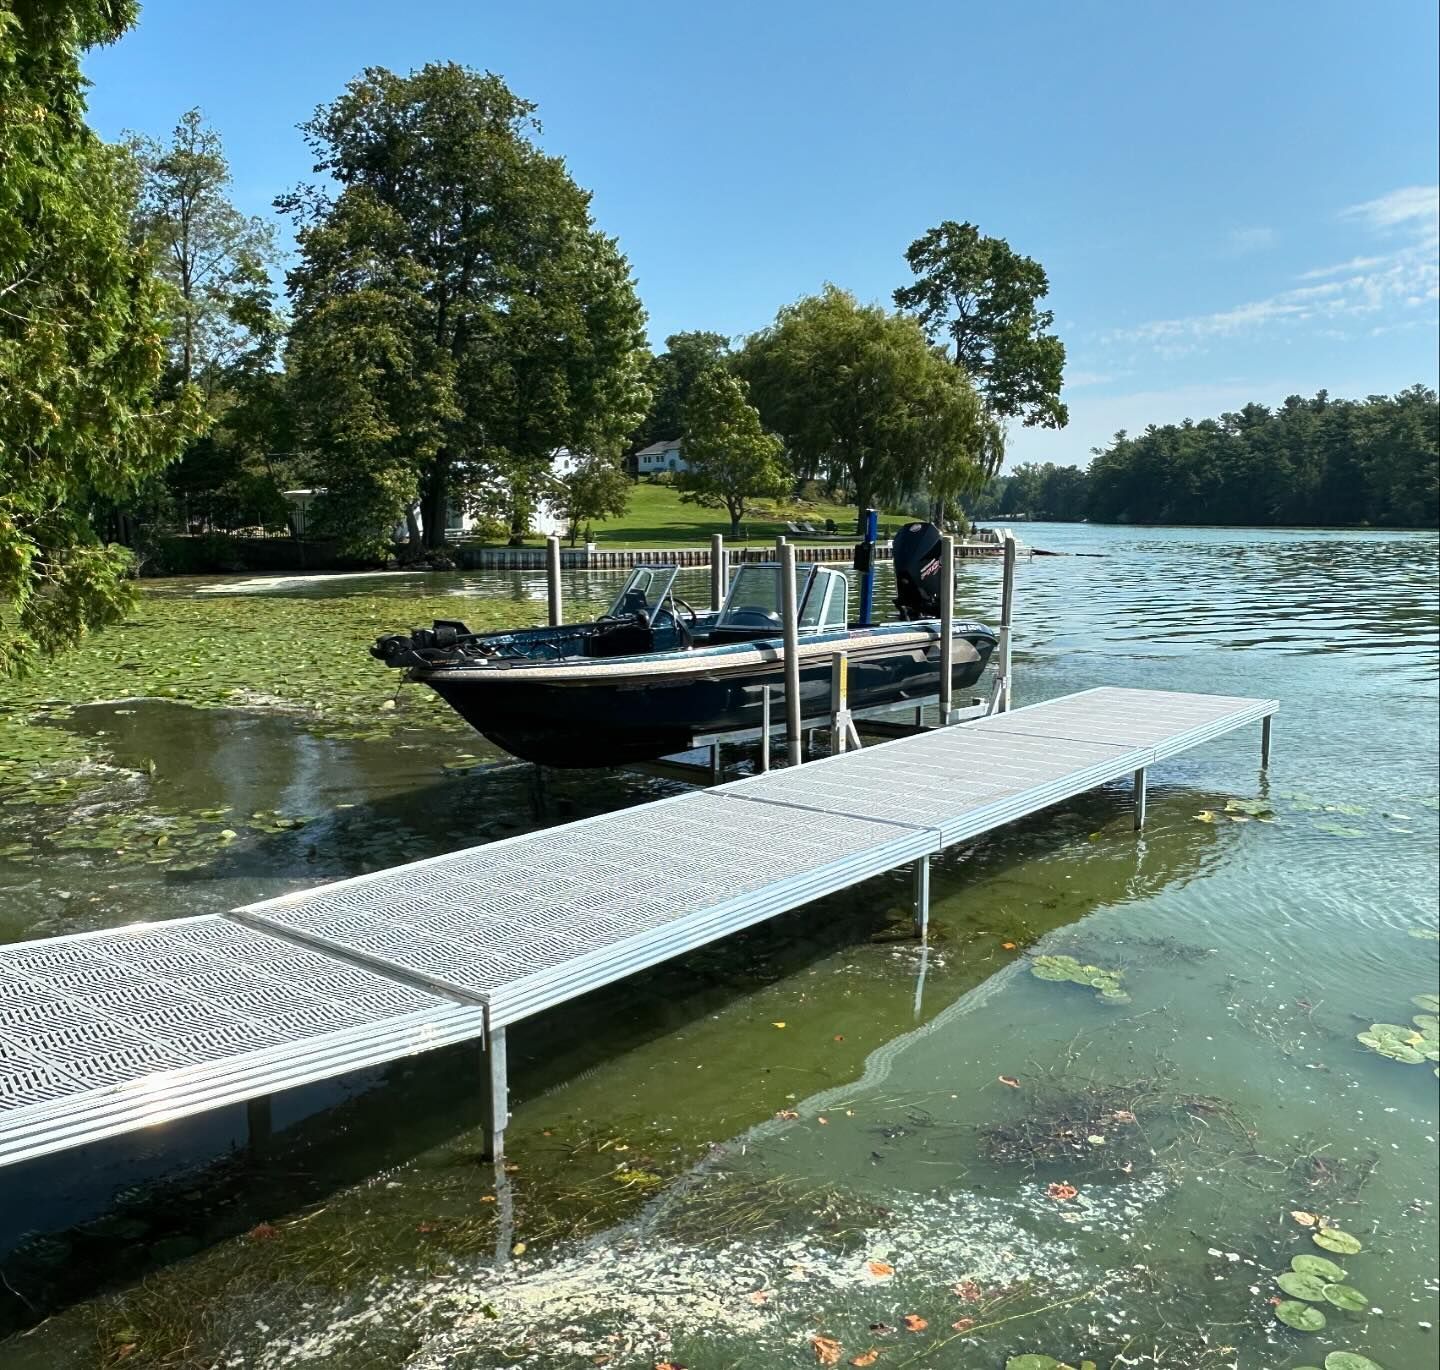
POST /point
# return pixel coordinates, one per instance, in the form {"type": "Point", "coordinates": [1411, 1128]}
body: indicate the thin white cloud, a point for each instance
{"type": "Point", "coordinates": [1076, 380]}
{"type": "Point", "coordinates": [1253, 239]}
{"type": "Point", "coordinates": [1405, 278]}
{"type": "Point", "coordinates": [1398, 207]}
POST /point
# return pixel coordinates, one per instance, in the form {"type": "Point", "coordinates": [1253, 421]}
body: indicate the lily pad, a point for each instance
{"type": "Point", "coordinates": [1033, 1362]}
{"type": "Point", "coordinates": [1205, 816]}
{"type": "Point", "coordinates": [1347, 1297]}
{"type": "Point", "coordinates": [1333, 1239]}
{"type": "Point", "coordinates": [1428, 1024]}
{"type": "Point", "coordinates": [1337, 829]}
{"type": "Point", "coordinates": [1319, 1266]}
{"type": "Point", "coordinates": [1303, 1317]}
{"type": "Point", "coordinates": [1255, 808]}
{"type": "Point", "coordinates": [1429, 1003]}
{"type": "Point", "coordinates": [1299, 1286]}
{"type": "Point", "coordinates": [1349, 1360]}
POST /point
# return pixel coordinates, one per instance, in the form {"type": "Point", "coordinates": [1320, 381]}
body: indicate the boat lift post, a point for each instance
{"type": "Point", "coordinates": [794, 737]}
{"type": "Point", "coordinates": [842, 726]}
{"type": "Point", "coordinates": [865, 564]}
{"type": "Point", "coordinates": [947, 624]}
{"type": "Point", "coordinates": [719, 571]}
{"type": "Point", "coordinates": [552, 577]}
{"type": "Point", "coordinates": [1000, 696]}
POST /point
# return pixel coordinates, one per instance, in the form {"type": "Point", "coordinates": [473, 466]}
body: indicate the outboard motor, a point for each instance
{"type": "Point", "coordinates": [916, 549]}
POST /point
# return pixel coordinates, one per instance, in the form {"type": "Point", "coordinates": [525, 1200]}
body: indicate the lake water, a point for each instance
{"type": "Point", "coordinates": [816, 1130]}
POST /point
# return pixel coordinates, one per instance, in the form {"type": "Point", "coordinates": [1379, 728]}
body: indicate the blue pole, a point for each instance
{"type": "Point", "coordinates": [865, 561]}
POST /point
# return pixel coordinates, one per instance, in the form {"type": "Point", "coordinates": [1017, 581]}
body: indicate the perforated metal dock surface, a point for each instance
{"type": "Point", "coordinates": [111, 1031]}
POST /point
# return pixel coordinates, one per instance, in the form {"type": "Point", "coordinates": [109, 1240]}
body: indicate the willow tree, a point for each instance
{"type": "Point", "coordinates": [458, 318]}
{"type": "Point", "coordinates": [82, 337]}
{"type": "Point", "coordinates": [861, 397]}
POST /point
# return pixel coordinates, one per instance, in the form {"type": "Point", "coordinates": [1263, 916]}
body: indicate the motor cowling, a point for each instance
{"type": "Point", "coordinates": [916, 552]}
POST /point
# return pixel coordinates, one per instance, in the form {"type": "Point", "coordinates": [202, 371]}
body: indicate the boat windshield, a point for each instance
{"type": "Point", "coordinates": [755, 599]}
{"type": "Point", "coordinates": [644, 592]}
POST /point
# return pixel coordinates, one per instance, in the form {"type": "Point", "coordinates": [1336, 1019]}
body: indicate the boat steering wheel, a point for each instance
{"type": "Point", "coordinates": [675, 599]}
{"type": "Point", "coordinates": [753, 616]}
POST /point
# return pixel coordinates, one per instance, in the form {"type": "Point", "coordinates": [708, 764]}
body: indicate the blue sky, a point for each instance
{"type": "Point", "coordinates": [1233, 201]}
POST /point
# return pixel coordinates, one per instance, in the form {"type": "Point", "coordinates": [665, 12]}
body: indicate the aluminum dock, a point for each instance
{"type": "Point", "coordinates": [107, 1032]}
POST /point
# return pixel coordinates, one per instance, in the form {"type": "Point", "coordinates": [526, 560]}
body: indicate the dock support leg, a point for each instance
{"type": "Point", "coordinates": [921, 887]}
{"type": "Point", "coordinates": [258, 1125]}
{"type": "Point", "coordinates": [497, 1110]}
{"type": "Point", "coordinates": [1265, 739]}
{"type": "Point", "coordinates": [717, 771]}
{"type": "Point", "coordinates": [1140, 799]}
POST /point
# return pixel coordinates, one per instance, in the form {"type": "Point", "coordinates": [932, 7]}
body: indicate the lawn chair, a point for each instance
{"type": "Point", "coordinates": [807, 528]}
{"type": "Point", "coordinates": [792, 528]}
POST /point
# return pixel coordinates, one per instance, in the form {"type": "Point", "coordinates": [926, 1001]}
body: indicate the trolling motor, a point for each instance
{"type": "Point", "coordinates": [437, 646]}
{"type": "Point", "coordinates": [917, 571]}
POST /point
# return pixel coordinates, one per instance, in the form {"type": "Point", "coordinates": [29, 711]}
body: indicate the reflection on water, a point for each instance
{"type": "Point", "coordinates": [748, 1135]}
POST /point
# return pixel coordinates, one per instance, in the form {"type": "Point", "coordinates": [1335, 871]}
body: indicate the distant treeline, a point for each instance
{"type": "Point", "coordinates": [1311, 461]}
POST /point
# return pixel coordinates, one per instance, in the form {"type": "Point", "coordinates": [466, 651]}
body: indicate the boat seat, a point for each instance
{"type": "Point", "coordinates": [624, 637]}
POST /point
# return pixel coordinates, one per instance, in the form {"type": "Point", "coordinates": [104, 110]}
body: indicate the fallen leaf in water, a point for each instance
{"type": "Point", "coordinates": [840, 1037]}
{"type": "Point", "coordinates": [518, 1249]}
{"type": "Point", "coordinates": [1205, 816]}
{"type": "Point", "coordinates": [1061, 1193]}
{"type": "Point", "coordinates": [263, 1232]}
{"type": "Point", "coordinates": [882, 1270]}
{"type": "Point", "coordinates": [777, 1024]}
{"type": "Point", "coordinates": [487, 1198]}
{"type": "Point", "coordinates": [1007, 946]}
{"type": "Point", "coordinates": [881, 1328]}
{"type": "Point", "coordinates": [760, 1296]}
{"type": "Point", "coordinates": [827, 1350]}
{"type": "Point", "coordinates": [1009, 1081]}
{"type": "Point", "coordinates": [1303, 1218]}
{"type": "Point", "coordinates": [968, 1290]}
{"type": "Point", "coordinates": [913, 1322]}
{"type": "Point", "coordinates": [963, 1325]}
{"type": "Point", "coordinates": [1123, 1115]}
{"type": "Point", "coordinates": [787, 1113]}
{"type": "Point", "coordinates": [665, 1364]}
{"type": "Point", "coordinates": [866, 1357]}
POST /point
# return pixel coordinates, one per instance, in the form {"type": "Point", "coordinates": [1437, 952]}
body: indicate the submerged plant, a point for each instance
{"type": "Point", "coordinates": [1349, 1360]}
{"type": "Point", "coordinates": [1106, 983]}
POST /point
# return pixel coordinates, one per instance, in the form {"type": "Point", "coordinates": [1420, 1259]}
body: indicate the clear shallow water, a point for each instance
{"type": "Point", "coordinates": [1253, 952]}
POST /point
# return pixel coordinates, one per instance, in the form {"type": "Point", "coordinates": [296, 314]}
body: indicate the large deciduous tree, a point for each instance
{"type": "Point", "coordinates": [730, 459]}
{"type": "Point", "coordinates": [216, 258]}
{"type": "Point", "coordinates": [984, 297]}
{"type": "Point", "coordinates": [672, 376]}
{"type": "Point", "coordinates": [83, 415]}
{"type": "Point", "coordinates": [594, 487]}
{"type": "Point", "coordinates": [458, 317]}
{"type": "Point", "coordinates": [859, 395]}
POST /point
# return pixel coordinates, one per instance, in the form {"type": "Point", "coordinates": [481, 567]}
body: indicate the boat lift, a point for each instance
{"type": "Point", "coordinates": [844, 726]}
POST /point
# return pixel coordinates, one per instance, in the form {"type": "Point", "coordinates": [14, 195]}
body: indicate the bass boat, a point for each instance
{"type": "Point", "coordinates": [652, 675]}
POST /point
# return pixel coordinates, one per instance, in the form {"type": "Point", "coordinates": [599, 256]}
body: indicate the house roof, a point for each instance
{"type": "Point", "coordinates": [656, 448]}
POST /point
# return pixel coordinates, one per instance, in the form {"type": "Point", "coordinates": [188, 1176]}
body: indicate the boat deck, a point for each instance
{"type": "Point", "coordinates": [107, 1032]}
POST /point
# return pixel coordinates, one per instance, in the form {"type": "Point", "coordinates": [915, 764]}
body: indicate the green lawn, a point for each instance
{"type": "Point", "coordinates": [656, 517]}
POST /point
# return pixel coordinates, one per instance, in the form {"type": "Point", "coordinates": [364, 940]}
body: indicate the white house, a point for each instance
{"type": "Point", "coordinates": [660, 456]}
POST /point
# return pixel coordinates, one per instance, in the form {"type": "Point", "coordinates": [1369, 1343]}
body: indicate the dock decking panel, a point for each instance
{"type": "Point", "coordinates": [533, 920]}
{"type": "Point", "coordinates": [111, 1031]}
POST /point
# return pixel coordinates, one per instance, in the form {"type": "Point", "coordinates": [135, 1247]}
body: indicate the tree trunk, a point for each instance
{"type": "Point", "coordinates": [433, 501]}
{"type": "Point", "coordinates": [519, 520]}
{"type": "Point", "coordinates": [412, 527]}
{"type": "Point", "coordinates": [735, 524]}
